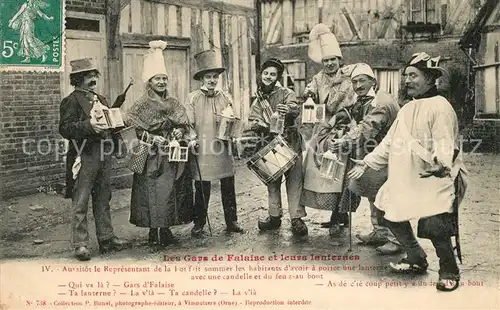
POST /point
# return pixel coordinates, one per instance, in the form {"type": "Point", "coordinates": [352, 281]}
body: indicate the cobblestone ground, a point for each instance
{"type": "Point", "coordinates": [45, 217]}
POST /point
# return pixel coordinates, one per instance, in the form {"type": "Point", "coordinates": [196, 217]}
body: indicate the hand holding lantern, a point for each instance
{"type": "Point", "coordinates": [226, 124]}
{"type": "Point", "coordinates": [312, 112]}
{"type": "Point", "coordinates": [176, 152]}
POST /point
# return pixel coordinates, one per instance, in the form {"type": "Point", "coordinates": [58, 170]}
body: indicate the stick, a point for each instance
{"type": "Point", "coordinates": [203, 194]}
{"type": "Point", "coordinates": [344, 185]}
{"type": "Point", "coordinates": [350, 204]}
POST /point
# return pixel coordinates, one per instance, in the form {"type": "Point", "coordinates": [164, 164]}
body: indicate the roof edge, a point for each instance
{"type": "Point", "coordinates": [471, 37]}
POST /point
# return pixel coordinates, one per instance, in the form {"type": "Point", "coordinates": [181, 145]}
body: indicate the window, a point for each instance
{"type": "Point", "coordinates": [294, 76]}
{"type": "Point", "coordinates": [81, 24]}
{"type": "Point", "coordinates": [423, 11]}
{"type": "Point", "coordinates": [388, 80]}
{"type": "Point", "coordinates": [490, 87]}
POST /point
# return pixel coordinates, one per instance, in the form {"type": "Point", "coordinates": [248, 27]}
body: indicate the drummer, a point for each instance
{"type": "Point", "coordinates": [332, 87]}
{"type": "Point", "coordinates": [283, 101]}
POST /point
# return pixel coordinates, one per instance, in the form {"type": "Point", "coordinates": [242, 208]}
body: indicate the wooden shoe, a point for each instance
{"type": "Point", "coordinates": [405, 266]}
{"type": "Point", "coordinates": [448, 283]}
{"type": "Point", "coordinates": [82, 253]}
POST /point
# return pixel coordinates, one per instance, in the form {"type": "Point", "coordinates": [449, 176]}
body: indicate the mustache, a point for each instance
{"type": "Point", "coordinates": [92, 83]}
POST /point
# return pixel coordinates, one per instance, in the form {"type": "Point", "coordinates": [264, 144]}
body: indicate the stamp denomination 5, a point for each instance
{"type": "Point", "coordinates": [32, 35]}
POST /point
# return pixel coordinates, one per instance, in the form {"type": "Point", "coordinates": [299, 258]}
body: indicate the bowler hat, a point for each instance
{"type": "Point", "coordinates": [82, 65]}
{"type": "Point", "coordinates": [206, 63]}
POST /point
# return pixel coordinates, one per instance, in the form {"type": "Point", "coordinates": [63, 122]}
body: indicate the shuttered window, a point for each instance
{"type": "Point", "coordinates": [294, 76]}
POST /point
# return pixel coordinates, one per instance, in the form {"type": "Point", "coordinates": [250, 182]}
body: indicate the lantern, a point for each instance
{"type": "Point", "coordinates": [128, 136]}
{"type": "Point", "coordinates": [226, 124]}
{"type": "Point", "coordinates": [277, 125]}
{"type": "Point", "coordinates": [97, 111]}
{"type": "Point", "coordinates": [332, 167]}
{"type": "Point", "coordinates": [112, 118]}
{"type": "Point", "coordinates": [176, 152]}
{"type": "Point", "coordinates": [320, 113]}
{"type": "Point", "coordinates": [312, 112]}
{"type": "Point", "coordinates": [308, 111]}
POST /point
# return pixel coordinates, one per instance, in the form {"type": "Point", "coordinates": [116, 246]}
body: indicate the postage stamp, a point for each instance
{"type": "Point", "coordinates": [32, 35]}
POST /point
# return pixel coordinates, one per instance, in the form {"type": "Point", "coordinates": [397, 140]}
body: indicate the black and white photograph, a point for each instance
{"type": "Point", "coordinates": [249, 154]}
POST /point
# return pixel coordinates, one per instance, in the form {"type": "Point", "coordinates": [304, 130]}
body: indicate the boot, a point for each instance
{"type": "Point", "coordinates": [389, 249]}
{"type": "Point", "coordinates": [153, 238]}
{"type": "Point", "coordinates": [198, 232]}
{"type": "Point", "coordinates": [235, 227]}
{"type": "Point", "coordinates": [167, 237]}
{"type": "Point", "coordinates": [334, 230]}
{"type": "Point", "coordinates": [372, 238]}
{"type": "Point", "coordinates": [326, 224]}
{"type": "Point", "coordinates": [344, 220]}
{"type": "Point", "coordinates": [113, 244]}
{"type": "Point", "coordinates": [299, 228]}
{"type": "Point", "coordinates": [270, 223]}
{"type": "Point", "coordinates": [82, 253]}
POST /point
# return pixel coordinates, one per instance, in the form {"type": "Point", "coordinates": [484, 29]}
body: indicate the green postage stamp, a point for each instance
{"type": "Point", "coordinates": [32, 35]}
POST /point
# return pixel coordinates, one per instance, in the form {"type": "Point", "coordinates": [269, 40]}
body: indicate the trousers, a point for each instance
{"type": "Point", "coordinates": [368, 186]}
{"type": "Point", "coordinates": [294, 182]}
{"type": "Point", "coordinates": [94, 179]}
{"type": "Point", "coordinates": [415, 254]}
{"type": "Point", "coordinates": [228, 194]}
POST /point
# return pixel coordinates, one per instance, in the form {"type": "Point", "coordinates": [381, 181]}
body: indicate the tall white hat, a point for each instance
{"type": "Point", "coordinates": [323, 44]}
{"type": "Point", "coordinates": [154, 63]}
{"type": "Point", "coordinates": [362, 68]}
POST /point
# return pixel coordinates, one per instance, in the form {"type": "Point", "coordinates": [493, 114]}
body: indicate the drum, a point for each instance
{"type": "Point", "coordinates": [273, 160]}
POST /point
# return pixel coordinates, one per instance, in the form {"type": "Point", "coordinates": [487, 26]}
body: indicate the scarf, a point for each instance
{"type": "Point", "coordinates": [432, 92]}
{"type": "Point", "coordinates": [152, 112]}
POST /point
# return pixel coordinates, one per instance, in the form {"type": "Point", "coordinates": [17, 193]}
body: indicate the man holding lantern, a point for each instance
{"type": "Point", "coordinates": [332, 88]}
{"type": "Point", "coordinates": [212, 156]}
{"type": "Point", "coordinates": [89, 160]}
{"type": "Point", "coordinates": [374, 112]}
